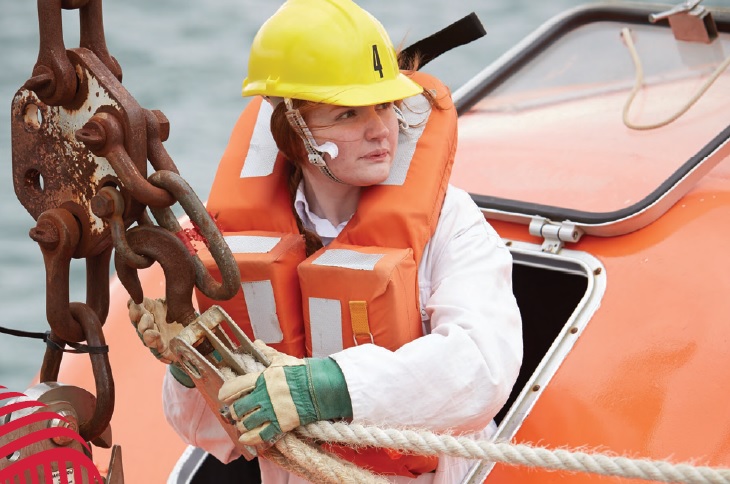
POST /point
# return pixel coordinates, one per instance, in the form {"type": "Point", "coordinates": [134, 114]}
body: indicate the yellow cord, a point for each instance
{"type": "Point", "coordinates": [626, 35]}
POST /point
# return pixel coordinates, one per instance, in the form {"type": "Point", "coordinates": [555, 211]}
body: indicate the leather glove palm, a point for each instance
{"type": "Point", "coordinates": [289, 393]}
{"type": "Point", "coordinates": [150, 321]}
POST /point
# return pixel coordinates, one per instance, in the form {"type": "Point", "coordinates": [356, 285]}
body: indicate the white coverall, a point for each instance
{"type": "Point", "coordinates": [455, 378]}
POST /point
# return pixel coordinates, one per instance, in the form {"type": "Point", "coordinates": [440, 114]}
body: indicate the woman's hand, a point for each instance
{"type": "Point", "coordinates": [149, 319]}
{"type": "Point", "coordinates": [289, 393]}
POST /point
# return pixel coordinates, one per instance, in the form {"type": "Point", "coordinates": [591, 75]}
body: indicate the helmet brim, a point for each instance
{"type": "Point", "coordinates": [354, 95]}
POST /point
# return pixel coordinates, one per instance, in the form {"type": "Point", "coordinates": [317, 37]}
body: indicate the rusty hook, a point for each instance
{"type": "Point", "coordinates": [219, 249]}
{"type": "Point", "coordinates": [160, 245]}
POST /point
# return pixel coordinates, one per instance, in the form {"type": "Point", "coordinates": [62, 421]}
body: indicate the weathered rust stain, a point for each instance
{"type": "Point", "coordinates": [52, 168]}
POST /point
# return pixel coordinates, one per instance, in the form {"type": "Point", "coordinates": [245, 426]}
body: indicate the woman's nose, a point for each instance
{"type": "Point", "coordinates": [377, 127]}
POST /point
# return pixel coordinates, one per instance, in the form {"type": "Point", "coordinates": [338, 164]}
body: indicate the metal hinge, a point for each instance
{"type": "Point", "coordinates": [689, 21]}
{"type": "Point", "coordinates": [555, 234]}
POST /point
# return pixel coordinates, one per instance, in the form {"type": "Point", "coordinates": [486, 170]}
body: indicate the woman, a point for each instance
{"type": "Point", "coordinates": [401, 297]}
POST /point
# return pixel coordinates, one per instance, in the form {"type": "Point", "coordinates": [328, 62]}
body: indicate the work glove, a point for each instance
{"type": "Point", "coordinates": [149, 319]}
{"type": "Point", "coordinates": [290, 392]}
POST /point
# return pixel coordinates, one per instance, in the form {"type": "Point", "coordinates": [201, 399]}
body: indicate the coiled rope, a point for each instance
{"type": "Point", "coordinates": [299, 453]}
{"type": "Point", "coordinates": [428, 443]}
{"type": "Point", "coordinates": [304, 458]}
{"type": "Point", "coordinates": [307, 461]}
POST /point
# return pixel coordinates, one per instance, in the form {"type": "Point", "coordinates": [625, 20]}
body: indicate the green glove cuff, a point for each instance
{"type": "Point", "coordinates": [182, 377]}
{"type": "Point", "coordinates": [328, 389]}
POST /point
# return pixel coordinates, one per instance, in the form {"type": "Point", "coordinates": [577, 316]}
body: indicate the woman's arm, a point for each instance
{"type": "Point", "coordinates": [460, 375]}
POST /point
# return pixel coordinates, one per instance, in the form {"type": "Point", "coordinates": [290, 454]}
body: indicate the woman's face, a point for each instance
{"type": "Point", "coordinates": [366, 138]}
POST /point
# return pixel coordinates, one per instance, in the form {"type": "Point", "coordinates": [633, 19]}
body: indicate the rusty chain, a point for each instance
{"type": "Point", "coordinates": [80, 147]}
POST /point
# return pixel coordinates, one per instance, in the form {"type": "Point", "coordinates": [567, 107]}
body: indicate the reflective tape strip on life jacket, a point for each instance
{"type": "Point", "coordinates": [262, 150]}
{"type": "Point", "coordinates": [325, 316]}
{"type": "Point", "coordinates": [348, 259]}
{"type": "Point", "coordinates": [253, 244]}
{"type": "Point", "coordinates": [258, 295]}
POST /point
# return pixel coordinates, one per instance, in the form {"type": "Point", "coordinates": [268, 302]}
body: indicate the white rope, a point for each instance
{"type": "Point", "coordinates": [306, 459]}
{"type": "Point", "coordinates": [626, 35]}
{"type": "Point", "coordinates": [311, 463]}
{"type": "Point", "coordinates": [427, 443]}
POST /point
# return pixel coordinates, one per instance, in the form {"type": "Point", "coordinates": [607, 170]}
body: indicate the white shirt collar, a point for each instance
{"type": "Point", "coordinates": [311, 221]}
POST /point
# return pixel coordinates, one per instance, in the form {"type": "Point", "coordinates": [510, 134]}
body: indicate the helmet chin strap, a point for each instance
{"type": "Point", "coordinates": [314, 150]}
{"type": "Point", "coordinates": [402, 123]}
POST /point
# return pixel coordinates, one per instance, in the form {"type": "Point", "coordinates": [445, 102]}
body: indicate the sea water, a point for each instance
{"type": "Point", "coordinates": [187, 58]}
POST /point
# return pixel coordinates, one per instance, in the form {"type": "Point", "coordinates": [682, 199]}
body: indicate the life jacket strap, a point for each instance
{"type": "Point", "coordinates": [359, 322]}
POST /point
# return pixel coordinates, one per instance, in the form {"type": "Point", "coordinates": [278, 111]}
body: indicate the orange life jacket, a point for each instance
{"type": "Point", "coordinates": [362, 287]}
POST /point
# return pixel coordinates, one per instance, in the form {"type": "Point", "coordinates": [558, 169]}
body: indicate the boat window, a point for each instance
{"type": "Point", "coordinates": [557, 295]}
{"type": "Point", "coordinates": [551, 132]}
{"type": "Point", "coordinates": [546, 299]}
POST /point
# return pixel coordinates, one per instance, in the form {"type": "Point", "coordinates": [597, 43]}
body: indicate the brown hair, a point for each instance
{"type": "Point", "coordinates": [292, 147]}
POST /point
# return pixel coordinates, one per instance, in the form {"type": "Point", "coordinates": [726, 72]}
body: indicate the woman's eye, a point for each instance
{"type": "Point", "coordinates": [384, 105]}
{"type": "Point", "coordinates": [347, 114]}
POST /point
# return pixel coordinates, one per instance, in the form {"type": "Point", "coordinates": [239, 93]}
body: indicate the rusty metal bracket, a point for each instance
{"type": "Point", "coordinates": [44, 139]}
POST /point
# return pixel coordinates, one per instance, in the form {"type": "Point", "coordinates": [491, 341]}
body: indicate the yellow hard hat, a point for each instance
{"type": "Point", "coordinates": [329, 51]}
